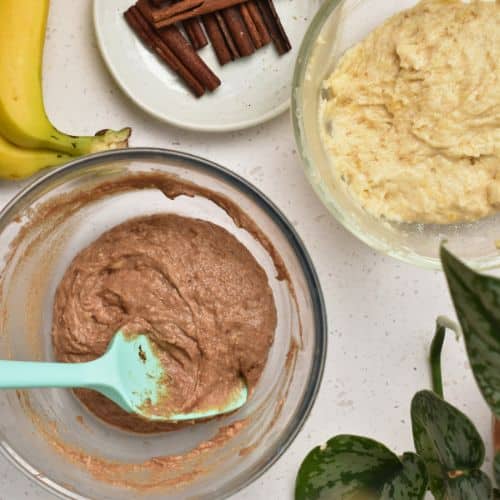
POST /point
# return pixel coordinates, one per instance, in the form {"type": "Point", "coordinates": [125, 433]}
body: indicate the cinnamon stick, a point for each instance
{"type": "Point", "coordinates": [227, 36]}
{"type": "Point", "coordinates": [179, 7]}
{"type": "Point", "coordinates": [174, 40]}
{"type": "Point", "coordinates": [192, 26]}
{"type": "Point", "coordinates": [144, 32]}
{"type": "Point", "coordinates": [135, 25]}
{"type": "Point", "coordinates": [184, 51]}
{"type": "Point", "coordinates": [145, 9]}
{"type": "Point", "coordinates": [217, 39]}
{"type": "Point", "coordinates": [249, 23]}
{"type": "Point", "coordinates": [254, 11]}
{"type": "Point", "coordinates": [195, 33]}
{"type": "Point", "coordinates": [185, 9]}
{"type": "Point", "coordinates": [273, 24]}
{"type": "Point", "coordinates": [238, 30]}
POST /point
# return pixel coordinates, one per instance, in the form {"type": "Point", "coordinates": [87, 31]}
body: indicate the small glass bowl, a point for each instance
{"type": "Point", "coordinates": [48, 434]}
{"type": "Point", "coordinates": [337, 26]}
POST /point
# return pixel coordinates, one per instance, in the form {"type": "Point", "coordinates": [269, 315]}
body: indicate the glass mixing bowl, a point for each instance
{"type": "Point", "coordinates": [48, 434]}
{"type": "Point", "coordinates": [337, 26]}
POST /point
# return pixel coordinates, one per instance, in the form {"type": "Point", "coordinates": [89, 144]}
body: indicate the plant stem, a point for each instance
{"type": "Point", "coordinates": [435, 359]}
{"type": "Point", "coordinates": [442, 323]}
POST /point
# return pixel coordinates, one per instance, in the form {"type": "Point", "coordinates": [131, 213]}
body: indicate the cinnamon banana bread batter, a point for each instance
{"type": "Point", "coordinates": [191, 286]}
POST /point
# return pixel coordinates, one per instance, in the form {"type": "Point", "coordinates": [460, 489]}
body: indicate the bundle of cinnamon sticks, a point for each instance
{"type": "Point", "coordinates": [235, 28]}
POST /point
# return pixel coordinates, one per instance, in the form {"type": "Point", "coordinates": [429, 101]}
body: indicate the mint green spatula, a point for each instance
{"type": "Point", "coordinates": [129, 373]}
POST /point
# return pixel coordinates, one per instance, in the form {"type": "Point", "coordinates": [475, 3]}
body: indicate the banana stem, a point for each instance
{"type": "Point", "coordinates": [82, 145]}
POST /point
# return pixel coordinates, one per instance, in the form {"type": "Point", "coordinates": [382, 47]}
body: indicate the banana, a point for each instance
{"type": "Point", "coordinates": [23, 120]}
{"type": "Point", "coordinates": [17, 163]}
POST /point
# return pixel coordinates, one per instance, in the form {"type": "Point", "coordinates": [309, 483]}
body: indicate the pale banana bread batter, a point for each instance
{"type": "Point", "coordinates": [411, 117]}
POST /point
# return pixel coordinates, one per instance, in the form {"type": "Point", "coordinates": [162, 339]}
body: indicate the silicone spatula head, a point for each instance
{"type": "Point", "coordinates": [139, 382]}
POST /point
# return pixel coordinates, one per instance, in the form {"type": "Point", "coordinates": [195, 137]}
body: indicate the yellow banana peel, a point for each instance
{"type": "Point", "coordinates": [18, 163]}
{"type": "Point", "coordinates": [23, 120]}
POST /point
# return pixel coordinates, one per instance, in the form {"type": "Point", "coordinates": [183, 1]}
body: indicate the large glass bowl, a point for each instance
{"type": "Point", "coordinates": [337, 26]}
{"type": "Point", "coordinates": [48, 434]}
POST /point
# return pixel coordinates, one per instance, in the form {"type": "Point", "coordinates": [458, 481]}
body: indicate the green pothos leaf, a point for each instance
{"type": "Point", "coordinates": [496, 467]}
{"type": "Point", "coordinates": [450, 446]}
{"type": "Point", "coordinates": [477, 302]}
{"type": "Point", "coordinates": [358, 468]}
{"type": "Point", "coordinates": [474, 485]}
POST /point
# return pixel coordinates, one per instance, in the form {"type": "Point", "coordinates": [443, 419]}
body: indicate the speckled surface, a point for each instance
{"type": "Point", "coordinates": [381, 313]}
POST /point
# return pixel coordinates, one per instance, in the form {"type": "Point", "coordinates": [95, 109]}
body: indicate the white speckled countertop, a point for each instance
{"type": "Point", "coordinates": [381, 312]}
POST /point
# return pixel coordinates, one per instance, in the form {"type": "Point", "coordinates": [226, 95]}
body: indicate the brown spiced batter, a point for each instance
{"type": "Point", "coordinates": [191, 286]}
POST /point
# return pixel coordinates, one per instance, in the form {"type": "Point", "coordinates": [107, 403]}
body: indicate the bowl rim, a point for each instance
{"type": "Point", "coordinates": [299, 76]}
{"type": "Point", "coordinates": [314, 288]}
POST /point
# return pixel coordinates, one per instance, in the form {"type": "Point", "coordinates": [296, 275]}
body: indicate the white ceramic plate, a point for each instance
{"type": "Point", "coordinates": [254, 89]}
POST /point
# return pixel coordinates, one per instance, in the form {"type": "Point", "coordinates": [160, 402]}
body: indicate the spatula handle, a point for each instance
{"type": "Point", "coordinates": [27, 374]}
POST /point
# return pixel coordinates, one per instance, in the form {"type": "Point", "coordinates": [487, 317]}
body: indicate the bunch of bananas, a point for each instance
{"type": "Point", "coordinates": [28, 141]}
